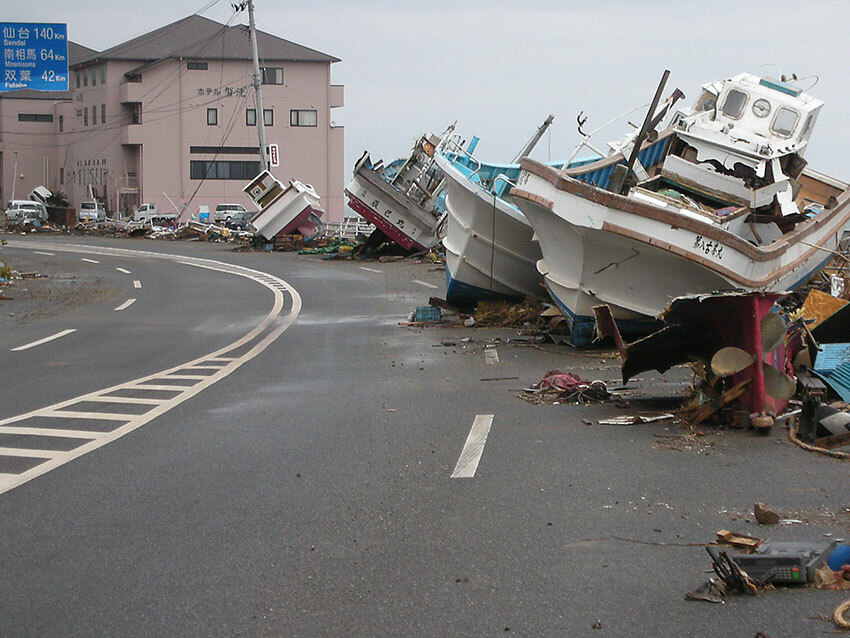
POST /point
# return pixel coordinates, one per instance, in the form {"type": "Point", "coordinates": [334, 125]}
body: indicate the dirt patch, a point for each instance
{"type": "Point", "coordinates": [56, 291]}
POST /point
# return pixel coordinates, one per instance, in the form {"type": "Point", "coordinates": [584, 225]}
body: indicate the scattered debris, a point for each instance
{"type": "Point", "coordinates": [764, 515]}
{"type": "Point", "coordinates": [557, 386]}
{"type": "Point", "coordinates": [634, 420]}
{"type": "Point", "coordinates": [743, 541]}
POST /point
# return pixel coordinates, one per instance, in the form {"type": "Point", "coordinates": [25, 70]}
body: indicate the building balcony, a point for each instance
{"type": "Point", "coordinates": [131, 135]}
{"type": "Point", "coordinates": [337, 96]}
{"type": "Point", "coordinates": [131, 92]}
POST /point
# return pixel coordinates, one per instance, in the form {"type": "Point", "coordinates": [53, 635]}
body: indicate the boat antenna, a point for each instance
{"type": "Point", "coordinates": [526, 150]}
{"type": "Point", "coordinates": [644, 130]}
{"type": "Point", "coordinates": [256, 81]}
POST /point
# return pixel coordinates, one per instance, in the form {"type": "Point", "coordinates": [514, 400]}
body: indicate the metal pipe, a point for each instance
{"type": "Point", "coordinates": [526, 150]}
{"type": "Point", "coordinates": [643, 130]}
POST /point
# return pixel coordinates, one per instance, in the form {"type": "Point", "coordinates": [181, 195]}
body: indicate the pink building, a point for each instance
{"type": "Point", "coordinates": [169, 118]}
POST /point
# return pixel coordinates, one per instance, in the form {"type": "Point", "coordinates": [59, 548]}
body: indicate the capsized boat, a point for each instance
{"type": "Point", "coordinates": [722, 199]}
{"type": "Point", "coordinates": [284, 210]}
{"type": "Point", "coordinates": [403, 199]}
{"type": "Point", "coordinates": [489, 249]}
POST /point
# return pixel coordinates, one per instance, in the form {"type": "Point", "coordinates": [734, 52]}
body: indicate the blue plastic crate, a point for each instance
{"type": "Point", "coordinates": [427, 314]}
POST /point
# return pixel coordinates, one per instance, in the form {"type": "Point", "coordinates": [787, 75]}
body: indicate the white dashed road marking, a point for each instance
{"type": "Point", "coordinates": [80, 420]}
{"type": "Point", "coordinates": [91, 261]}
{"type": "Point", "coordinates": [137, 283]}
{"type": "Point", "coordinates": [126, 304]}
{"type": "Point", "coordinates": [424, 283]}
{"type": "Point", "coordinates": [370, 269]}
{"type": "Point", "coordinates": [38, 252]}
{"type": "Point", "coordinates": [45, 340]}
{"type": "Point", "coordinates": [474, 447]}
{"type": "Point", "coordinates": [124, 270]}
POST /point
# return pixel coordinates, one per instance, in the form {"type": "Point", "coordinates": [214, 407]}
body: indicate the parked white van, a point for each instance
{"type": "Point", "coordinates": [225, 212]}
{"type": "Point", "coordinates": [91, 212]}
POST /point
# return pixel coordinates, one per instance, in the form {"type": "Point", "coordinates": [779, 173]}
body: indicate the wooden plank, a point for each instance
{"type": "Point", "coordinates": [834, 441]}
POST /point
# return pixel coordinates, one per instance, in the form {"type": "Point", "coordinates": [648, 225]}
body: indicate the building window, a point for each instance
{"type": "Point", "coordinates": [223, 169]}
{"type": "Point", "coordinates": [103, 113]}
{"type": "Point", "coordinates": [250, 117]}
{"type": "Point", "coordinates": [77, 77]}
{"type": "Point", "coordinates": [94, 115]}
{"type": "Point", "coordinates": [61, 174]}
{"type": "Point", "coordinates": [212, 117]}
{"type": "Point", "coordinates": [225, 150]}
{"type": "Point", "coordinates": [196, 66]}
{"type": "Point", "coordinates": [94, 76]}
{"type": "Point", "coordinates": [303, 117]}
{"type": "Point", "coordinates": [35, 117]}
{"type": "Point", "coordinates": [103, 73]}
{"type": "Point", "coordinates": [61, 123]}
{"type": "Point", "coordinates": [85, 77]}
{"type": "Point", "coordinates": [268, 117]}
{"type": "Point", "coordinates": [85, 116]}
{"type": "Point", "coordinates": [272, 75]}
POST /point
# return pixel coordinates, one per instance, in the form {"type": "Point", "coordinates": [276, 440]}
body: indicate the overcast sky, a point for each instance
{"type": "Point", "coordinates": [499, 68]}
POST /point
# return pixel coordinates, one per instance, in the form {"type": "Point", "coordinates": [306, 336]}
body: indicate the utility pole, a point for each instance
{"type": "Point", "coordinates": [258, 91]}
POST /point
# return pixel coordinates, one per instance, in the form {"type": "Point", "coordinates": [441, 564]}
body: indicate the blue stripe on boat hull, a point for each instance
{"type": "Point", "coordinates": [459, 293]}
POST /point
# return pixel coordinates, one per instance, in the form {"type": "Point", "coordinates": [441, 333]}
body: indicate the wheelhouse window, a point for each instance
{"type": "Point", "coordinates": [212, 117]}
{"type": "Point", "coordinates": [272, 75]}
{"type": "Point", "coordinates": [785, 121]}
{"type": "Point", "coordinates": [250, 117]}
{"type": "Point", "coordinates": [733, 106]}
{"type": "Point", "coordinates": [303, 117]}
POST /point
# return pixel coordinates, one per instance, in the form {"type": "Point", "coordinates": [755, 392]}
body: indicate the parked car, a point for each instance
{"type": "Point", "coordinates": [91, 212]}
{"type": "Point", "coordinates": [224, 212]}
{"type": "Point", "coordinates": [21, 209]}
{"type": "Point", "coordinates": [239, 221]}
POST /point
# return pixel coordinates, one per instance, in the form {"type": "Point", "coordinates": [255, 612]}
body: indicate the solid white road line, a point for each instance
{"type": "Point", "coordinates": [91, 261]}
{"type": "Point", "coordinates": [491, 356]}
{"type": "Point", "coordinates": [471, 454]}
{"type": "Point", "coordinates": [39, 252]}
{"type": "Point", "coordinates": [257, 340]}
{"type": "Point", "coordinates": [45, 340]}
{"type": "Point", "coordinates": [124, 270]}
{"type": "Point", "coordinates": [137, 283]}
{"type": "Point", "coordinates": [28, 452]}
{"type": "Point", "coordinates": [126, 304]}
{"type": "Point", "coordinates": [370, 269]}
{"type": "Point", "coordinates": [424, 283]}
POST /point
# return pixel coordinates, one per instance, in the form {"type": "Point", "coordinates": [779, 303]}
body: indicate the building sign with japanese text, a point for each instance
{"type": "Point", "coordinates": [33, 56]}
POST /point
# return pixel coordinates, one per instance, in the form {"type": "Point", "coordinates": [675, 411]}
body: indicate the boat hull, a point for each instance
{"type": "Point", "coordinates": [604, 248]}
{"type": "Point", "coordinates": [490, 252]}
{"type": "Point", "coordinates": [391, 211]}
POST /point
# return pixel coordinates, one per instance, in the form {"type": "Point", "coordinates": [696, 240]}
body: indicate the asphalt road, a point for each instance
{"type": "Point", "coordinates": [309, 490]}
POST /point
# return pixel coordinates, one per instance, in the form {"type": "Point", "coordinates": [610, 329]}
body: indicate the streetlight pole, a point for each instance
{"type": "Point", "coordinates": [258, 92]}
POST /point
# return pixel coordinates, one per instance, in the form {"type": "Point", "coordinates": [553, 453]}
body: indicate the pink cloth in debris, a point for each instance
{"type": "Point", "coordinates": [557, 380]}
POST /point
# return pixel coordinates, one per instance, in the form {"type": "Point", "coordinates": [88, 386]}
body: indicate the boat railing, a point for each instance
{"type": "Point", "coordinates": [458, 149]}
{"type": "Point", "coordinates": [585, 137]}
{"type": "Point", "coordinates": [501, 177]}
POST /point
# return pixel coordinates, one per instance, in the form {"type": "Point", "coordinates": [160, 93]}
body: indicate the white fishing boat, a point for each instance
{"type": "Point", "coordinates": [489, 249]}
{"type": "Point", "coordinates": [720, 200]}
{"type": "Point", "coordinates": [403, 199]}
{"type": "Point", "coordinates": [284, 210]}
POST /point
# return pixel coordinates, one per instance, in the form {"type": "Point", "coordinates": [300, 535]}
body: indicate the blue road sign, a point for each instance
{"type": "Point", "coordinates": [34, 56]}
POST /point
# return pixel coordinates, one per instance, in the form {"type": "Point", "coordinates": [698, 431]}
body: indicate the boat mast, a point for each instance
{"type": "Point", "coordinates": [258, 92]}
{"type": "Point", "coordinates": [526, 150]}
